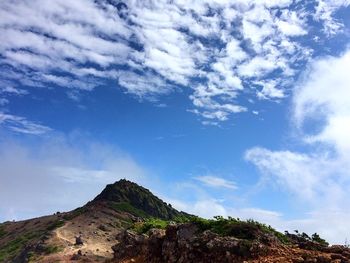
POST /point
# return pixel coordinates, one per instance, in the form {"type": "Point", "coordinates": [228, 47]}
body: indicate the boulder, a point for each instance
{"type": "Point", "coordinates": [78, 240]}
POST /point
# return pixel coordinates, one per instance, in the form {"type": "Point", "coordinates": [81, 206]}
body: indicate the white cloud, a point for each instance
{"type": "Point", "coordinates": [291, 24]}
{"type": "Point", "coordinates": [325, 95]}
{"type": "Point", "coordinates": [206, 208]}
{"type": "Point", "coordinates": [320, 178]}
{"type": "Point", "coordinates": [22, 125]}
{"type": "Point", "coordinates": [219, 47]}
{"type": "Point", "coordinates": [324, 12]}
{"type": "Point", "coordinates": [215, 181]}
{"type": "Point", "coordinates": [269, 90]}
{"type": "Point", "coordinates": [144, 85]}
{"type": "Point", "coordinates": [12, 90]}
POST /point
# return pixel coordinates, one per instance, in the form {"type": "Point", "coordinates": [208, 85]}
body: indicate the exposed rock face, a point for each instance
{"type": "Point", "coordinates": [183, 243]}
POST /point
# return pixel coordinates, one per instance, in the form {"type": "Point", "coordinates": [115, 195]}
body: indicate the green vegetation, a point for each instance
{"type": "Point", "coordinates": [127, 207]}
{"type": "Point", "coordinates": [33, 257]}
{"type": "Point", "coordinates": [13, 247]}
{"type": "Point", "coordinates": [249, 229]}
{"type": "Point", "coordinates": [144, 227]}
{"type": "Point", "coordinates": [52, 249]}
{"type": "Point", "coordinates": [316, 238]}
{"type": "Point", "coordinates": [76, 212]}
{"type": "Point", "coordinates": [2, 231]}
{"type": "Point", "coordinates": [55, 225]}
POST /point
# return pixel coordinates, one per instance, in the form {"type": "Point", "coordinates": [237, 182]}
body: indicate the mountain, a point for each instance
{"type": "Point", "coordinates": [127, 223]}
{"type": "Point", "coordinates": [129, 196]}
{"type": "Point", "coordinates": [116, 208]}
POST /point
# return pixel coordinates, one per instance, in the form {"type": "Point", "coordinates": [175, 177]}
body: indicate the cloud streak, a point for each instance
{"type": "Point", "coordinates": [20, 124]}
{"type": "Point", "coordinates": [214, 181]}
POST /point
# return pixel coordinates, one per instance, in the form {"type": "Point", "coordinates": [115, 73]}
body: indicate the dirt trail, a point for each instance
{"type": "Point", "coordinates": [94, 242]}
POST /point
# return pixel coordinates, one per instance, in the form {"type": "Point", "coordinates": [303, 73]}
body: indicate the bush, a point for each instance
{"type": "Point", "coordinates": [249, 229]}
{"type": "Point", "coordinates": [144, 227]}
{"type": "Point", "coordinates": [316, 238]}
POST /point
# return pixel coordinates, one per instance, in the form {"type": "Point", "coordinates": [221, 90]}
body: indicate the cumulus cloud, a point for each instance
{"type": "Point", "coordinates": [217, 49]}
{"type": "Point", "coordinates": [320, 177]}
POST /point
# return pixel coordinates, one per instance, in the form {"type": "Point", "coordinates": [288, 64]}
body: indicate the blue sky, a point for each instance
{"type": "Point", "coordinates": [237, 108]}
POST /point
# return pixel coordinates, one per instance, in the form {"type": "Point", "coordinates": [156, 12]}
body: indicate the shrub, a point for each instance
{"type": "Point", "coordinates": [316, 238]}
{"type": "Point", "coordinates": [144, 227]}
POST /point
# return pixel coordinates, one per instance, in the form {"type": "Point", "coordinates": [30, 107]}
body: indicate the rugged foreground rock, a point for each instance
{"type": "Point", "coordinates": [186, 243]}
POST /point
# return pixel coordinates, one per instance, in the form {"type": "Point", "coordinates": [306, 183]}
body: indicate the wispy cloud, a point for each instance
{"type": "Point", "coordinates": [324, 12]}
{"type": "Point", "coordinates": [214, 181]}
{"type": "Point", "coordinates": [22, 125]}
{"type": "Point", "coordinates": [219, 50]}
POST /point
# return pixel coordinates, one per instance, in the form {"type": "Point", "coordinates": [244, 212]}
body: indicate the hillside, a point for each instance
{"type": "Point", "coordinates": [127, 223]}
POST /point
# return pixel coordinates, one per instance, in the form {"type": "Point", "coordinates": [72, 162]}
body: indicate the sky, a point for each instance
{"type": "Point", "coordinates": [236, 108]}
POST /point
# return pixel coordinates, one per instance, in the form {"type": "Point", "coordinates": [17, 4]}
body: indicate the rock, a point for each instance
{"type": "Point", "coordinates": [183, 243]}
{"type": "Point", "coordinates": [78, 240]}
{"type": "Point", "coordinates": [75, 257]}
{"type": "Point", "coordinates": [323, 259]}
{"type": "Point", "coordinates": [186, 231]}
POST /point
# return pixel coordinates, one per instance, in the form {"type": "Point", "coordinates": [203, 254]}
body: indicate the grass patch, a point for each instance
{"type": "Point", "coordinates": [74, 213]}
{"type": "Point", "coordinates": [127, 207]}
{"type": "Point", "coordinates": [13, 247]}
{"type": "Point", "coordinates": [52, 249]}
{"type": "Point", "coordinates": [2, 231]}
{"type": "Point", "coordinates": [55, 225]}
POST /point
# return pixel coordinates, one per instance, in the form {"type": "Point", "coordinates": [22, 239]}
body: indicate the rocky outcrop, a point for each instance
{"type": "Point", "coordinates": [184, 243]}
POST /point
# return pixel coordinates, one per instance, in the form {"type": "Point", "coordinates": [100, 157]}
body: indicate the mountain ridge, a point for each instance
{"type": "Point", "coordinates": [127, 223]}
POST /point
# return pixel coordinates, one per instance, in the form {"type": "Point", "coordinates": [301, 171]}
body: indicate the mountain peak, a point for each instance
{"type": "Point", "coordinates": [128, 195]}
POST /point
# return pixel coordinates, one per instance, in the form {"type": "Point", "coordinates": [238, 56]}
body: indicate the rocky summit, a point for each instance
{"type": "Point", "coordinates": [127, 223]}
